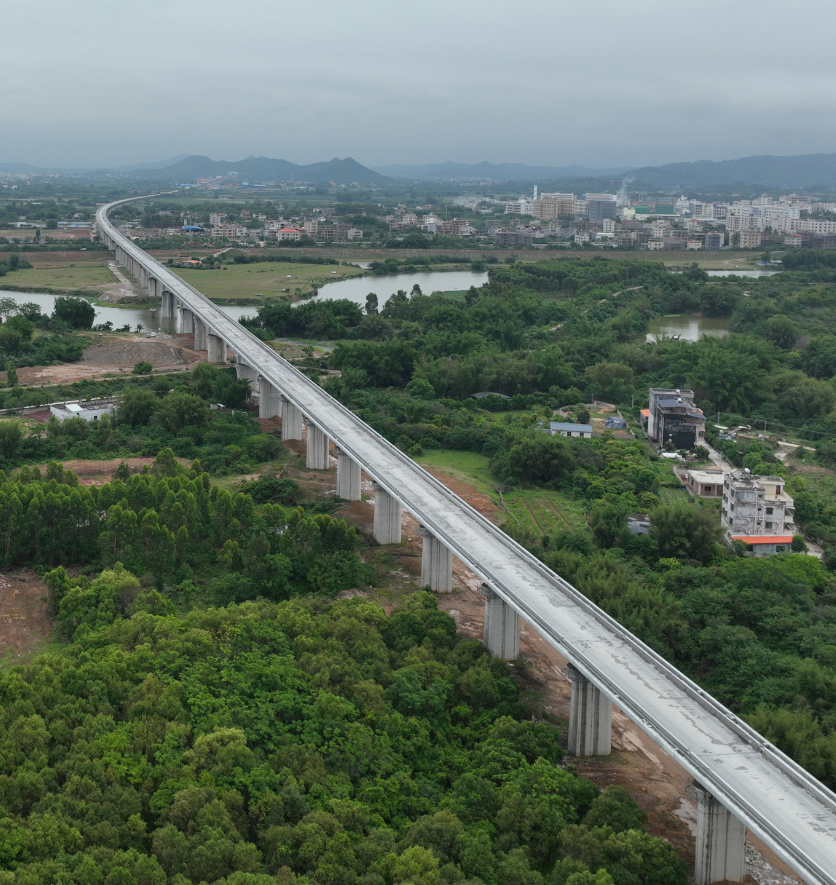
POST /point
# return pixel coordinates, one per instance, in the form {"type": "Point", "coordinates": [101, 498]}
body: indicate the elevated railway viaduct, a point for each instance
{"type": "Point", "coordinates": [741, 781]}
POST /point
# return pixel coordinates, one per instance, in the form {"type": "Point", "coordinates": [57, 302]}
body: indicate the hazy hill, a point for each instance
{"type": "Point", "coordinates": [493, 171]}
{"type": "Point", "coordinates": [266, 169]}
{"type": "Point", "coordinates": [804, 170]}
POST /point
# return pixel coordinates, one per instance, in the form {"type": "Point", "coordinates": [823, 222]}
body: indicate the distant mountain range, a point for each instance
{"type": "Point", "coordinates": [485, 171]}
{"type": "Point", "coordinates": [800, 171]}
{"type": "Point", "coordinates": [190, 167]}
{"type": "Point", "coordinates": [259, 169]}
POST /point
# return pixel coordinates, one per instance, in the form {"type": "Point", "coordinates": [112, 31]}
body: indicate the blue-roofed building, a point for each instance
{"type": "Point", "coordinates": [559, 428]}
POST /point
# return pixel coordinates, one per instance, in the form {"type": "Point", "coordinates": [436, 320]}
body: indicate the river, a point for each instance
{"type": "Point", "coordinates": [121, 316]}
{"type": "Point", "coordinates": [356, 288]}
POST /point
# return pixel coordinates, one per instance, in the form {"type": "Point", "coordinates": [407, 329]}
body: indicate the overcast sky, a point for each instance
{"type": "Point", "coordinates": [610, 82]}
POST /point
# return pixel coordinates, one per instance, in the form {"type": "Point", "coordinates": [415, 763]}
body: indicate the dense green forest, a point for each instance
{"type": "Point", "coordinates": [296, 741]}
{"type": "Point", "coordinates": [210, 711]}
{"type": "Point", "coordinates": [760, 635]}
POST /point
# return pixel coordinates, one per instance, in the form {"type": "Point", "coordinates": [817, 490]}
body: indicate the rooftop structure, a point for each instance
{"type": "Point", "coordinates": [703, 483]}
{"type": "Point", "coordinates": [584, 431]}
{"type": "Point", "coordinates": [674, 418]}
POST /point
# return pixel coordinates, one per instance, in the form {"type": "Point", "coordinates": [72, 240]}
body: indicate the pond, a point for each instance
{"type": "Point", "coordinates": [121, 316]}
{"type": "Point", "coordinates": [687, 326]}
{"type": "Point", "coordinates": [356, 288]}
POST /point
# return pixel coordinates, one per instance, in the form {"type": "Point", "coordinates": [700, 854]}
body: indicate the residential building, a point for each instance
{"type": "Point", "coordinates": [608, 226]}
{"type": "Point", "coordinates": [758, 511]}
{"type": "Point", "coordinates": [90, 410]}
{"type": "Point", "coordinates": [291, 234]}
{"type": "Point", "coordinates": [703, 483]}
{"type": "Point", "coordinates": [551, 206]}
{"type": "Point", "coordinates": [750, 239]}
{"type": "Point", "coordinates": [673, 418]}
{"type": "Point", "coordinates": [354, 234]}
{"type": "Point", "coordinates": [228, 231]}
{"type": "Point", "coordinates": [600, 206]}
{"type": "Point", "coordinates": [559, 428]}
{"type": "Point", "coordinates": [523, 206]}
{"type": "Point", "coordinates": [520, 237]}
{"type": "Point", "coordinates": [312, 228]}
{"type": "Point", "coordinates": [216, 218]}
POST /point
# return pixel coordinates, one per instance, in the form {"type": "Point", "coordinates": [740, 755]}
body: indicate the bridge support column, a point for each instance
{"type": "Point", "coordinates": [590, 718]}
{"type": "Point", "coordinates": [199, 333]}
{"type": "Point", "coordinates": [316, 454]}
{"type": "Point", "coordinates": [186, 321]}
{"type": "Point", "coordinates": [268, 399]}
{"type": "Point", "coordinates": [143, 277]}
{"type": "Point", "coordinates": [214, 348]}
{"type": "Point", "coordinates": [721, 841]}
{"type": "Point", "coordinates": [167, 310]}
{"type": "Point", "coordinates": [502, 626]}
{"type": "Point", "coordinates": [243, 371]}
{"type": "Point", "coordinates": [436, 563]}
{"type": "Point", "coordinates": [387, 517]}
{"type": "Point", "coordinates": [152, 287]}
{"type": "Point", "coordinates": [291, 420]}
{"type": "Point", "coordinates": [348, 478]}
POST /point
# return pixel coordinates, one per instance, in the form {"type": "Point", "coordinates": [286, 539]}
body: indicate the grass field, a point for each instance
{"type": "Point", "coordinates": [545, 512]}
{"type": "Point", "coordinates": [464, 466]}
{"type": "Point", "coordinates": [539, 511]}
{"type": "Point", "coordinates": [244, 282]}
{"type": "Point", "coordinates": [672, 496]}
{"type": "Point", "coordinates": [63, 276]}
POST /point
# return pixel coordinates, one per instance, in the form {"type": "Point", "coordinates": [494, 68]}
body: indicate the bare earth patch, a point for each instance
{"type": "Point", "coordinates": [25, 624]}
{"type": "Point", "coordinates": [114, 355]}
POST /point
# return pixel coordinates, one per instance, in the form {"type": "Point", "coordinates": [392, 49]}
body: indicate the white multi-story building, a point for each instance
{"type": "Point", "coordinates": [523, 206]}
{"type": "Point", "coordinates": [758, 511]}
{"type": "Point", "coordinates": [229, 231]}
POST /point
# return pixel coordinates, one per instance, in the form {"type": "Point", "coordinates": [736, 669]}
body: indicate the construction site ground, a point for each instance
{"type": "Point", "coordinates": [113, 355]}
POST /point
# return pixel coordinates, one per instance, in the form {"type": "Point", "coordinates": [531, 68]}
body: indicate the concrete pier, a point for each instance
{"type": "Point", "coordinates": [502, 626]}
{"type": "Point", "coordinates": [316, 453]}
{"type": "Point", "coordinates": [721, 841]}
{"type": "Point", "coordinates": [268, 399]}
{"type": "Point", "coordinates": [167, 309]}
{"type": "Point", "coordinates": [291, 420]}
{"type": "Point", "coordinates": [215, 350]}
{"type": "Point", "coordinates": [186, 321]}
{"type": "Point", "coordinates": [590, 718]}
{"type": "Point", "coordinates": [387, 517]}
{"type": "Point", "coordinates": [199, 333]}
{"type": "Point", "coordinates": [436, 563]}
{"type": "Point", "coordinates": [348, 478]}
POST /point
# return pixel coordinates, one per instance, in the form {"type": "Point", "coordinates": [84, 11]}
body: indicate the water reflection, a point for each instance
{"type": "Point", "coordinates": [687, 327]}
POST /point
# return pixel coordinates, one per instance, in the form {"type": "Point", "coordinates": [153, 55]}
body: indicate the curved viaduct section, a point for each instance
{"type": "Point", "coordinates": [741, 780]}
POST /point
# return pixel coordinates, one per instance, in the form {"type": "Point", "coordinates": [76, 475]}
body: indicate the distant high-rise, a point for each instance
{"type": "Point", "coordinates": [601, 206]}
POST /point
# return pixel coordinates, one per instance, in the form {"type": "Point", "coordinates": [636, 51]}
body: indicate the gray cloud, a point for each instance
{"type": "Point", "coordinates": [614, 82]}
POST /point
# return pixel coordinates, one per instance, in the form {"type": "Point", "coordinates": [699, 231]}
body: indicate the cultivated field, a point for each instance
{"type": "Point", "coordinates": [245, 282]}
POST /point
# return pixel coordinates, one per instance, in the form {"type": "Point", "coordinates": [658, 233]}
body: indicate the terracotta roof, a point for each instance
{"type": "Point", "coordinates": [763, 539]}
{"type": "Point", "coordinates": [646, 413]}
